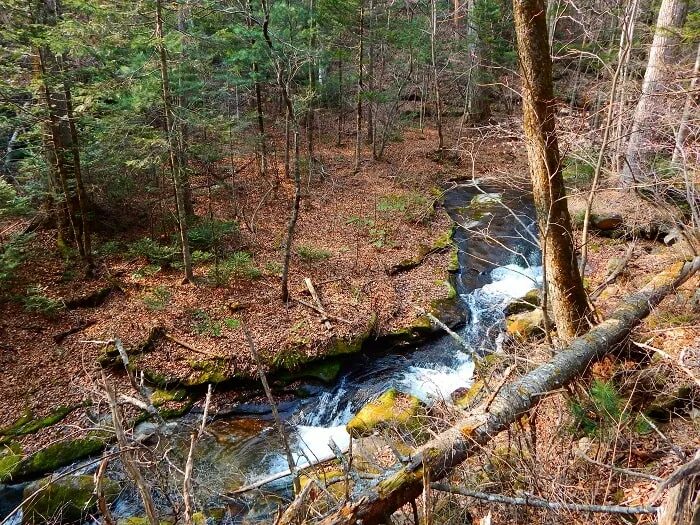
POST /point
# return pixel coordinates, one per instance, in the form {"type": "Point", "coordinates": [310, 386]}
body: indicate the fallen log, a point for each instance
{"type": "Point", "coordinates": [438, 457]}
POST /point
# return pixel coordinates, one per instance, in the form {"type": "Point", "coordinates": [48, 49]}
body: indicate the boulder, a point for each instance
{"type": "Point", "coordinates": [606, 221]}
{"type": "Point", "coordinates": [525, 325]}
{"type": "Point", "coordinates": [63, 500]}
{"type": "Point", "coordinates": [466, 397]}
{"type": "Point", "coordinates": [391, 409]}
{"type": "Point", "coordinates": [530, 301]}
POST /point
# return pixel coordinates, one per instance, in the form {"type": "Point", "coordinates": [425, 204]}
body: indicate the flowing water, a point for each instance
{"type": "Point", "coordinates": [493, 271]}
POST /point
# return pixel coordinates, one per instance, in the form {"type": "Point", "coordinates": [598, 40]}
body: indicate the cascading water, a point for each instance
{"type": "Point", "coordinates": [486, 284]}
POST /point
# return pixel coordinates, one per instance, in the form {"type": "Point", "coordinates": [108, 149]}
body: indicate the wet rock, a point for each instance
{"type": "Point", "coordinates": [530, 301]}
{"type": "Point", "coordinates": [391, 409]}
{"type": "Point", "coordinates": [525, 325]}
{"type": "Point", "coordinates": [466, 397]}
{"type": "Point", "coordinates": [63, 500]}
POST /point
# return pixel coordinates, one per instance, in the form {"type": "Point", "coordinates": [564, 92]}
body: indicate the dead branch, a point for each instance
{"type": "Point", "coordinates": [615, 273]}
{"type": "Point", "coordinates": [324, 316]}
{"type": "Point", "coordinates": [127, 456]}
{"type": "Point", "coordinates": [533, 501]}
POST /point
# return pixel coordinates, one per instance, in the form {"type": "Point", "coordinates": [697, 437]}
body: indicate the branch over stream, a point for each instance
{"type": "Point", "coordinates": [438, 457]}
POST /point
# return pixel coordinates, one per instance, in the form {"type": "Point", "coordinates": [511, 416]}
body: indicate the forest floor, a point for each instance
{"type": "Point", "coordinates": [353, 228]}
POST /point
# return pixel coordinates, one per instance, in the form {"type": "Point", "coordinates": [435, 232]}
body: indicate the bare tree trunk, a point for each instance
{"type": "Point", "coordinates": [626, 39]}
{"type": "Point", "coordinates": [436, 82]}
{"type": "Point", "coordinates": [341, 108]}
{"type": "Point", "coordinates": [293, 122]}
{"type": "Point", "coordinates": [690, 101]}
{"type": "Point", "coordinates": [466, 438]}
{"type": "Point", "coordinates": [176, 168]}
{"type": "Point", "coordinates": [569, 304]}
{"type": "Point", "coordinates": [83, 203]}
{"type": "Point", "coordinates": [360, 89]}
{"type": "Point", "coordinates": [652, 106]}
{"type": "Point", "coordinates": [369, 139]}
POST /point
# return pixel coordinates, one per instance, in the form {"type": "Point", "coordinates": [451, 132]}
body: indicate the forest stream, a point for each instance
{"type": "Point", "coordinates": [244, 448]}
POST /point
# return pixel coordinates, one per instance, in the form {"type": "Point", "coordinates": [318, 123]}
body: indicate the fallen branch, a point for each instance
{"type": "Point", "coordinates": [324, 316]}
{"type": "Point", "coordinates": [188, 346]}
{"type": "Point", "coordinates": [467, 437]}
{"type": "Point", "coordinates": [625, 471]}
{"type": "Point", "coordinates": [317, 309]}
{"type": "Point", "coordinates": [615, 273]}
{"type": "Point", "coordinates": [532, 501]}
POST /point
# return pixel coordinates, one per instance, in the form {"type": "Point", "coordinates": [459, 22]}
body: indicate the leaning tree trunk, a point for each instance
{"type": "Point", "coordinates": [652, 106]}
{"type": "Point", "coordinates": [569, 304]}
{"type": "Point", "coordinates": [437, 458]}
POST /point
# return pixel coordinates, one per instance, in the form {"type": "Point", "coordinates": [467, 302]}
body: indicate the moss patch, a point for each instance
{"type": "Point", "coordinates": [64, 500]}
{"type": "Point", "coordinates": [59, 455]}
{"type": "Point", "coordinates": [465, 398]}
{"type": "Point", "coordinates": [161, 396]}
{"type": "Point", "coordinates": [28, 425]}
{"type": "Point", "coordinates": [214, 370]}
{"type": "Point", "coordinates": [391, 409]}
{"type": "Point", "coordinates": [10, 457]}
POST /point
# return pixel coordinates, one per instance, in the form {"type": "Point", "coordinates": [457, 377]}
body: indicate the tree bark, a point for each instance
{"type": "Point", "coordinates": [360, 89]}
{"type": "Point", "coordinates": [690, 101]}
{"type": "Point", "coordinates": [450, 448]}
{"type": "Point", "coordinates": [436, 83]}
{"type": "Point", "coordinates": [652, 105]}
{"type": "Point", "coordinates": [568, 301]}
{"type": "Point", "coordinates": [175, 167]}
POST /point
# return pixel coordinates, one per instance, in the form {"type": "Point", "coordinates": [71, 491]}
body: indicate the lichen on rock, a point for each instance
{"type": "Point", "coordinates": [391, 409]}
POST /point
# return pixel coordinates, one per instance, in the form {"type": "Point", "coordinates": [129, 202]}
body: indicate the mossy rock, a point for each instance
{"type": "Point", "coordinates": [64, 500]}
{"type": "Point", "coordinates": [465, 398]}
{"type": "Point", "coordinates": [26, 424]}
{"type": "Point", "coordinates": [353, 345]}
{"type": "Point", "coordinates": [325, 370]}
{"type": "Point", "coordinates": [161, 396]}
{"type": "Point", "coordinates": [526, 325]}
{"type": "Point", "coordinates": [10, 458]}
{"type": "Point", "coordinates": [667, 404]}
{"type": "Point", "coordinates": [213, 370]}
{"type": "Point", "coordinates": [58, 455]}
{"type": "Point", "coordinates": [391, 409]}
{"type": "Point", "coordinates": [529, 302]}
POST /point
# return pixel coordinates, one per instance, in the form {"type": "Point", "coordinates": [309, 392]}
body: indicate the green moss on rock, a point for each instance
{"type": "Point", "coordinates": [465, 398]}
{"type": "Point", "coordinates": [391, 409]}
{"type": "Point", "coordinates": [58, 455]}
{"type": "Point", "coordinates": [161, 396]}
{"type": "Point", "coordinates": [63, 500]}
{"type": "Point", "coordinates": [10, 457]}
{"type": "Point", "coordinates": [214, 370]}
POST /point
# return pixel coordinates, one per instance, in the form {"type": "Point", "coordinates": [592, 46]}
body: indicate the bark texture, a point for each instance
{"type": "Point", "coordinates": [569, 305]}
{"type": "Point", "coordinates": [652, 107]}
{"type": "Point", "coordinates": [438, 457]}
